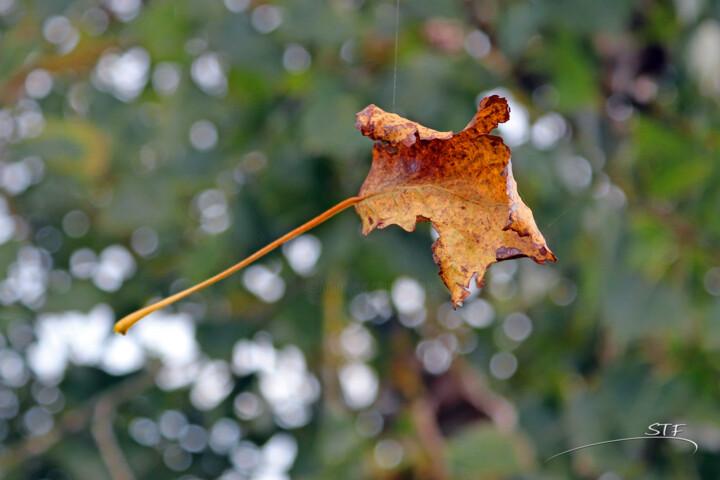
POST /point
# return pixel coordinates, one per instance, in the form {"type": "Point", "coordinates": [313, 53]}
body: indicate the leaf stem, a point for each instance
{"type": "Point", "coordinates": [124, 325]}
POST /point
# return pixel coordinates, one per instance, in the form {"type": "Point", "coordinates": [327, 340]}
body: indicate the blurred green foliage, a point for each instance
{"type": "Point", "coordinates": [146, 145]}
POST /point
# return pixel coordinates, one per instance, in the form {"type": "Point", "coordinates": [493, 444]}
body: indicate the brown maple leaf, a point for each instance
{"type": "Point", "coordinates": [462, 183]}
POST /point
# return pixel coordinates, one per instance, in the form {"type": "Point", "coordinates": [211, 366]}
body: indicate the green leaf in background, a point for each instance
{"type": "Point", "coordinates": [483, 451]}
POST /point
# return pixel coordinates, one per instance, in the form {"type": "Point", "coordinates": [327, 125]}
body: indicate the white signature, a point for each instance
{"type": "Point", "coordinates": [653, 432]}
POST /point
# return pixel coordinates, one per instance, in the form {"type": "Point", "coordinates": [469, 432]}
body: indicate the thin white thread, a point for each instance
{"type": "Point", "coordinates": [561, 215]}
{"type": "Point", "coordinates": [397, 30]}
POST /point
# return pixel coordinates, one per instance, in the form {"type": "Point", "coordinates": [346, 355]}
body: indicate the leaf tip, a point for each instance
{"type": "Point", "coordinates": [492, 111]}
{"type": "Point", "coordinates": [362, 119]}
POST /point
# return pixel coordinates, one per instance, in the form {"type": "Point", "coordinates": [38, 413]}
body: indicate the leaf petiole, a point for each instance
{"type": "Point", "coordinates": [124, 325]}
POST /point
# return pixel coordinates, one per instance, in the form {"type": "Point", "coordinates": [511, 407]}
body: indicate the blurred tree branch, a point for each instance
{"type": "Point", "coordinates": [80, 60]}
{"type": "Point", "coordinates": [99, 408]}
{"type": "Point", "coordinates": [106, 440]}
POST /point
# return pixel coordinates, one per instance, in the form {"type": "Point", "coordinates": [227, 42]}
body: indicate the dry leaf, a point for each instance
{"type": "Point", "coordinates": [461, 182]}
